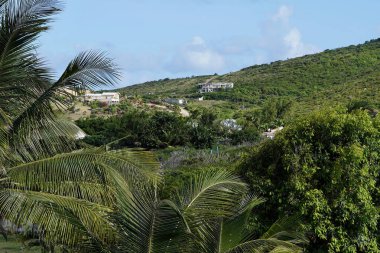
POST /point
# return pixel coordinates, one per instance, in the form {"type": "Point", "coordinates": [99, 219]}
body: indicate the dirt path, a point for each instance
{"type": "Point", "coordinates": [81, 111]}
{"type": "Point", "coordinates": [183, 112]}
{"type": "Point", "coordinates": [212, 78]}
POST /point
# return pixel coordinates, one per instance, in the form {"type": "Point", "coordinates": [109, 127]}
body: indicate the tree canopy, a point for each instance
{"type": "Point", "coordinates": [324, 167]}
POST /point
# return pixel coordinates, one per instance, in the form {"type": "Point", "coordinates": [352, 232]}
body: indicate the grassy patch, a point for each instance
{"type": "Point", "coordinates": [13, 246]}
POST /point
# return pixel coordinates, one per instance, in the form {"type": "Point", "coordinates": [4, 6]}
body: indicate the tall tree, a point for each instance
{"type": "Point", "coordinates": [326, 167]}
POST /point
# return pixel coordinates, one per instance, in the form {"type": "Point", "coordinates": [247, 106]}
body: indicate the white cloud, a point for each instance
{"type": "Point", "coordinates": [283, 14]}
{"type": "Point", "coordinates": [281, 40]}
{"type": "Point", "coordinates": [198, 41]}
{"type": "Point", "coordinates": [197, 56]}
{"type": "Point", "coordinates": [295, 46]}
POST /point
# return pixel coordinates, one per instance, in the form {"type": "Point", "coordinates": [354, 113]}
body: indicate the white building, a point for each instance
{"type": "Point", "coordinates": [111, 98]}
{"type": "Point", "coordinates": [212, 87]}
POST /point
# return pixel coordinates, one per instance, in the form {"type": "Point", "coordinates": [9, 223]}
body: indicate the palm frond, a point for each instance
{"type": "Point", "coordinates": [212, 194]}
{"type": "Point", "coordinates": [145, 160]}
{"type": "Point", "coordinates": [23, 74]}
{"type": "Point", "coordinates": [89, 70]}
{"type": "Point", "coordinates": [74, 169]}
{"type": "Point", "coordinates": [86, 71]}
{"type": "Point", "coordinates": [70, 196]}
{"type": "Point", "coordinates": [60, 219]}
{"type": "Point", "coordinates": [206, 199]}
{"type": "Point", "coordinates": [21, 23]}
{"type": "Point", "coordinates": [150, 225]}
{"type": "Point", "coordinates": [234, 231]}
{"type": "Point", "coordinates": [283, 236]}
{"type": "Point", "coordinates": [288, 229]}
{"type": "Point", "coordinates": [266, 245]}
{"type": "Point", "coordinates": [44, 139]}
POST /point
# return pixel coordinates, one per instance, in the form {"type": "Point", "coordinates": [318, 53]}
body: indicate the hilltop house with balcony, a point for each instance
{"type": "Point", "coordinates": [213, 87]}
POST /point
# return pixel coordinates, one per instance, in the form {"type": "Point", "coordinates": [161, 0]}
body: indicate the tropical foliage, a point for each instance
{"type": "Point", "coordinates": [208, 214]}
{"type": "Point", "coordinates": [60, 193]}
{"type": "Point", "coordinates": [152, 129]}
{"type": "Point", "coordinates": [325, 167]}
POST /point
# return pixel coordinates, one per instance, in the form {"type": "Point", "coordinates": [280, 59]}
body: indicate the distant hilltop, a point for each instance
{"type": "Point", "coordinates": [328, 78]}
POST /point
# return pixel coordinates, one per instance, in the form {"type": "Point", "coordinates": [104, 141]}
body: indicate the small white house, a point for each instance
{"type": "Point", "coordinates": [111, 98]}
{"type": "Point", "coordinates": [175, 101]}
{"type": "Point", "coordinates": [213, 87]}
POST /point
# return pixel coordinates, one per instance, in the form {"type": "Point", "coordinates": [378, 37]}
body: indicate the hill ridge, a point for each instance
{"type": "Point", "coordinates": [329, 77]}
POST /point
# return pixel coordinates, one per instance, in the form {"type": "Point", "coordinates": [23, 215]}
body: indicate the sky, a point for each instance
{"type": "Point", "coordinates": [156, 39]}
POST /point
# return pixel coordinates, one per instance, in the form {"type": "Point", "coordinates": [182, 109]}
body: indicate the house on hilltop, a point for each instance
{"type": "Point", "coordinates": [213, 87]}
{"type": "Point", "coordinates": [111, 98]}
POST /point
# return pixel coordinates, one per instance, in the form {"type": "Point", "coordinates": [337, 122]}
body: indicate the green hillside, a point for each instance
{"type": "Point", "coordinates": [327, 78]}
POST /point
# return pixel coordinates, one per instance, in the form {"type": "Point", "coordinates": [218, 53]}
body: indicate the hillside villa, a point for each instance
{"type": "Point", "coordinates": [111, 98]}
{"type": "Point", "coordinates": [212, 87]}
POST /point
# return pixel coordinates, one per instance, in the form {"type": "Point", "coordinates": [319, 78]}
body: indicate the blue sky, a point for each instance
{"type": "Point", "coordinates": [154, 39]}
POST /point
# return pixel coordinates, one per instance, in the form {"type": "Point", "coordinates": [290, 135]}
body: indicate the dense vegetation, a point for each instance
{"type": "Point", "coordinates": [157, 129]}
{"type": "Point", "coordinates": [324, 167]}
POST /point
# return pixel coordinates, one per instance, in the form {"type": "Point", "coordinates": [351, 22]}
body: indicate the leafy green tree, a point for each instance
{"type": "Point", "coordinates": [325, 167]}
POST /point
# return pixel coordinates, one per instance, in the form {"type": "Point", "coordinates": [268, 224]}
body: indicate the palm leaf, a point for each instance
{"type": "Point", "coordinates": [78, 167]}
{"type": "Point", "coordinates": [61, 219]}
{"type": "Point", "coordinates": [89, 70]}
{"type": "Point", "coordinates": [212, 194]}
{"type": "Point", "coordinates": [234, 231]}
{"type": "Point", "coordinates": [266, 245]}
{"type": "Point", "coordinates": [282, 237]}
{"type": "Point", "coordinates": [209, 197]}
{"type": "Point", "coordinates": [69, 196]}
{"type": "Point", "coordinates": [85, 71]}
{"type": "Point", "coordinates": [149, 225]}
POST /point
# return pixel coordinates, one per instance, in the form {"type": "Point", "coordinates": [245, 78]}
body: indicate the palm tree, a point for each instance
{"type": "Point", "coordinates": [29, 96]}
{"type": "Point", "coordinates": [67, 195]}
{"type": "Point", "coordinates": [209, 214]}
